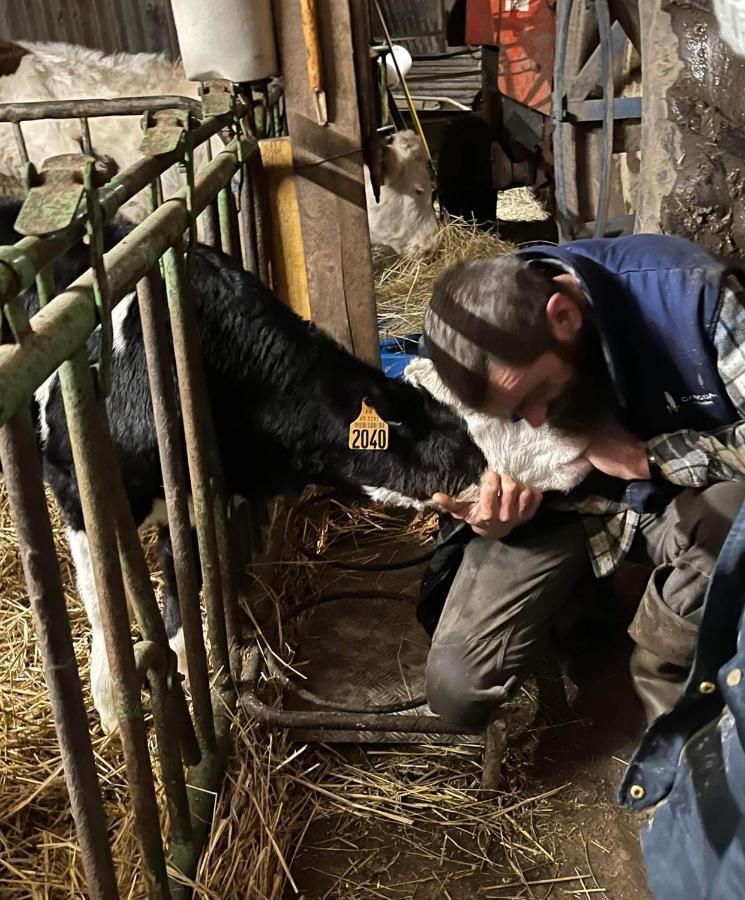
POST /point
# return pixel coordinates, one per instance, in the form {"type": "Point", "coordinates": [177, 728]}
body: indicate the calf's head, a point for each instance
{"type": "Point", "coordinates": [404, 219]}
{"type": "Point", "coordinates": [429, 447]}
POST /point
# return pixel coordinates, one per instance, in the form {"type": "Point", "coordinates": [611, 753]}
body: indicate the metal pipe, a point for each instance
{"type": "Point", "coordinates": [23, 479]}
{"type": "Point", "coordinates": [140, 592]}
{"type": "Point", "coordinates": [63, 327]}
{"type": "Point", "coordinates": [602, 13]}
{"type": "Point", "coordinates": [261, 216]}
{"type": "Point", "coordinates": [334, 721]}
{"type": "Point", "coordinates": [247, 197]}
{"type": "Point", "coordinates": [171, 451]}
{"type": "Point", "coordinates": [85, 136]}
{"type": "Point", "coordinates": [557, 116]}
{"type": "Point", "coordinates": [202, 786]}
{"type": "Point", "coordinates": [228, 216]}
{"type": "Point", "coordinates": [20, 262]}
{"type": "Point", "coordinates": [196, 419]}
{"type": "Point", "coordinates": [85, 429]}
{"type": "Point", "coordinates": [77, 109]}
{"type": "Point", "coordinates": [20, 142]}
{"type": "Point", "coordinates": [227, 555]}
{"type": "Point", "coordinates": [153, 664]}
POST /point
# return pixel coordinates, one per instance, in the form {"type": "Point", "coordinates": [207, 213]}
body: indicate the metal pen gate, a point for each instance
{"type": "Point", "coordinates": [154, 258]}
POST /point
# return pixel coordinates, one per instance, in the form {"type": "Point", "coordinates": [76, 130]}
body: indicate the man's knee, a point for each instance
{"type": "Point", "coordinates": [455, 687]}
{"type": "Point", "coordinates": [711, 516]}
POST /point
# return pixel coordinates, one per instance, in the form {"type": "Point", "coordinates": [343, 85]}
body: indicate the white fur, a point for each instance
{"type": "Point", "coordinates": [41, 395]}
{"type": "Point", "coordinates": [102, 687]}
{"type": "Point", "coordinates": [404, 219]}
{"type": "Point", "coordinates": [118, 315]}
{"type": "Point", "coordinates": [57, 71]}
{"type": "Point", "coordinates": [543, 458]}
{"type": "Point", "coordinates": [178, 645]}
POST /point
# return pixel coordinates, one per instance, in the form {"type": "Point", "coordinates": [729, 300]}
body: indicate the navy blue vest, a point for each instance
{"type": "Point", "coordinates": [655, 302]}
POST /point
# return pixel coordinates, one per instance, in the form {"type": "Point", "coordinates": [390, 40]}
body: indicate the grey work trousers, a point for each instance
{"type": "Point", "coordinates": [507, 596]}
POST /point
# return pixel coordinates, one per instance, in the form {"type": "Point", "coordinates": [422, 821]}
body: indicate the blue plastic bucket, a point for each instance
{"type": "Point", "coordinates": [396, 353]}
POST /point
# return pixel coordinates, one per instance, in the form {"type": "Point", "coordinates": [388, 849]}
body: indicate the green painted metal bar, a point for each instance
{"type": "Point", "coordinates": [63, 327]}
{"type": "Point", "coordinates": [171, 450]}
{"type": "Point", "coordinates": [19, 263]}
{"type": "Point", "coordinates": [196, 419]}
{"type": "Point", "coordinates": [85, 429]}
{"type": "Point", "coordinates": [21, 466]}
{"type": "Point", "coordinates": [113, 106]}
{"type": "Point", "coordinates": [228, 216]}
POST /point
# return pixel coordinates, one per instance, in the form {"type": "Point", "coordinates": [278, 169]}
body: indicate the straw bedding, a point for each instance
{"type": "Point", "coordinates": [272, 792]}
{"type": "Point", "coordinates": [421, 801]}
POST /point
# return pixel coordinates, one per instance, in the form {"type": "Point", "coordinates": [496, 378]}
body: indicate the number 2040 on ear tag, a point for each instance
{"type": "Point", "coordinates": [368, 431]}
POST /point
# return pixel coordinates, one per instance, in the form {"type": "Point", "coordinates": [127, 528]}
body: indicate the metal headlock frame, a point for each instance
{"type": "Point", "coordinates": [56, 337]}
{"type": "Point", "coordinates": [154, 262]}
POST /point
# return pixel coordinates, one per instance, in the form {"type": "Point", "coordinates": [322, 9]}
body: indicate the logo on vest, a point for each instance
{"type": "Point", "coordinates": [705, 399]}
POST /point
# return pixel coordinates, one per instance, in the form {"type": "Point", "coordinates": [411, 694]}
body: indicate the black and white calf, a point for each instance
{"type": "Point", "coordinates": [283, 395]}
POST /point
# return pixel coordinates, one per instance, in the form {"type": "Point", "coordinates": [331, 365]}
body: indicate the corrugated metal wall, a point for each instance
{"type": "Point", "coordinates": [110, 25]}
{"type": "Point", "coordinates": [417, 24]}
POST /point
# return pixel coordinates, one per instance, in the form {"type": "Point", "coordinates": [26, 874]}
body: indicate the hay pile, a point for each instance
{"type": "Point", "coordinates": [520, 204]}
{"type": "Point", "coordinates": [403, 287]}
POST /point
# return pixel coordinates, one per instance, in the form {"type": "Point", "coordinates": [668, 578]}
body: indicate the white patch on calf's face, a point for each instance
{"type": "Point", "coordinates": [542, 457]}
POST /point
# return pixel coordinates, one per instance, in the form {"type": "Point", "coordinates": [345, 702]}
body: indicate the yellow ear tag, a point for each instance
{"type": "Point", "coordinates": [368, 431]}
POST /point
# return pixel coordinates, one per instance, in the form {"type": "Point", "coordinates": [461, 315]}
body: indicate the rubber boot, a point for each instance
{"type": "Point", "coordinates": [657, 683]}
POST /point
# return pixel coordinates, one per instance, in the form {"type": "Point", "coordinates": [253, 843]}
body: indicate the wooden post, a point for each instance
{"type": "Point", "coordinates": [288, 259]}
{"type": "Point", "coordinates": [329, 177]}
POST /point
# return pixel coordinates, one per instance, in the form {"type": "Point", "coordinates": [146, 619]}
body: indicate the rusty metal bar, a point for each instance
{"type": "Point", "coordinates": [247, 220]}
{"type": "Point", "coordinates": [78, 109]}
{"type": "Point", "coordinates": [209, 218]}
{"type": "Point", "coordinates": [154, 665]}
{"type": "Point", "coordinates": [196, 419]}
{"type": "Point", "coordinates": [85, 136]}
{"type": "Point", "coordinates": [261, 215]}
{"type": "Point", "coordinates": [333, 721]}
{"type": "Point", "coordinates": [20, 143]}
{"type": "Point", "coordinates": [86, 430]}
{"type": "Point", "coordinates": [171, 450]}
{"type": "Point", "coordinates": [21, 466]}
{"type": "Point", "coordinates": [20, 263]}
{"type": "Point", "coordinates": [227, 553]}
{"type": "Point", "coordinates": [140, 592]}
{"type": "Point", "coordinates": [229, 234]}
{"type": "Point", "coordinates": [63, 327]}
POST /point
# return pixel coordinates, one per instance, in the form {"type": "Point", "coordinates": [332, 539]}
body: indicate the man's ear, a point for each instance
{"type": "Point", "coordinates": [564, 317]}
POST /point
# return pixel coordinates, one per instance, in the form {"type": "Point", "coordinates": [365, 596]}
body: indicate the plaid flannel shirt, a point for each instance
{"type": "Point", "coordinates": [686, 458]}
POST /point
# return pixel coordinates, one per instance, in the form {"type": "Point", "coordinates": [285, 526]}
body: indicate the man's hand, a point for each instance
{"type": "Point", "coordinates": [618, 453]}
{"type": "Point", "coordinates": [503, 504]}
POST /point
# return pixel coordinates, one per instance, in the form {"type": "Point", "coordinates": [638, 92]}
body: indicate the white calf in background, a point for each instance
{"type": "Point", "coordinates": [403, 220]}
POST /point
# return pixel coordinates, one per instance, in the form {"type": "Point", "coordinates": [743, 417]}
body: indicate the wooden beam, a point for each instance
{"type": "Point", "coordinates": [288, 257]}
{"type": "Point", "coordinates": [329, 177]}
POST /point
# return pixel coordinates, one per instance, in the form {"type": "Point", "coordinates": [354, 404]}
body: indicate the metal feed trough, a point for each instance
{"type": "Point", "coordinates": [63, 205]}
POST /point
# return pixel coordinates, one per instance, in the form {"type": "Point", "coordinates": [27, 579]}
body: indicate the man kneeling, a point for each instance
{"type": "Point", "coordinates": [640, 343]}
